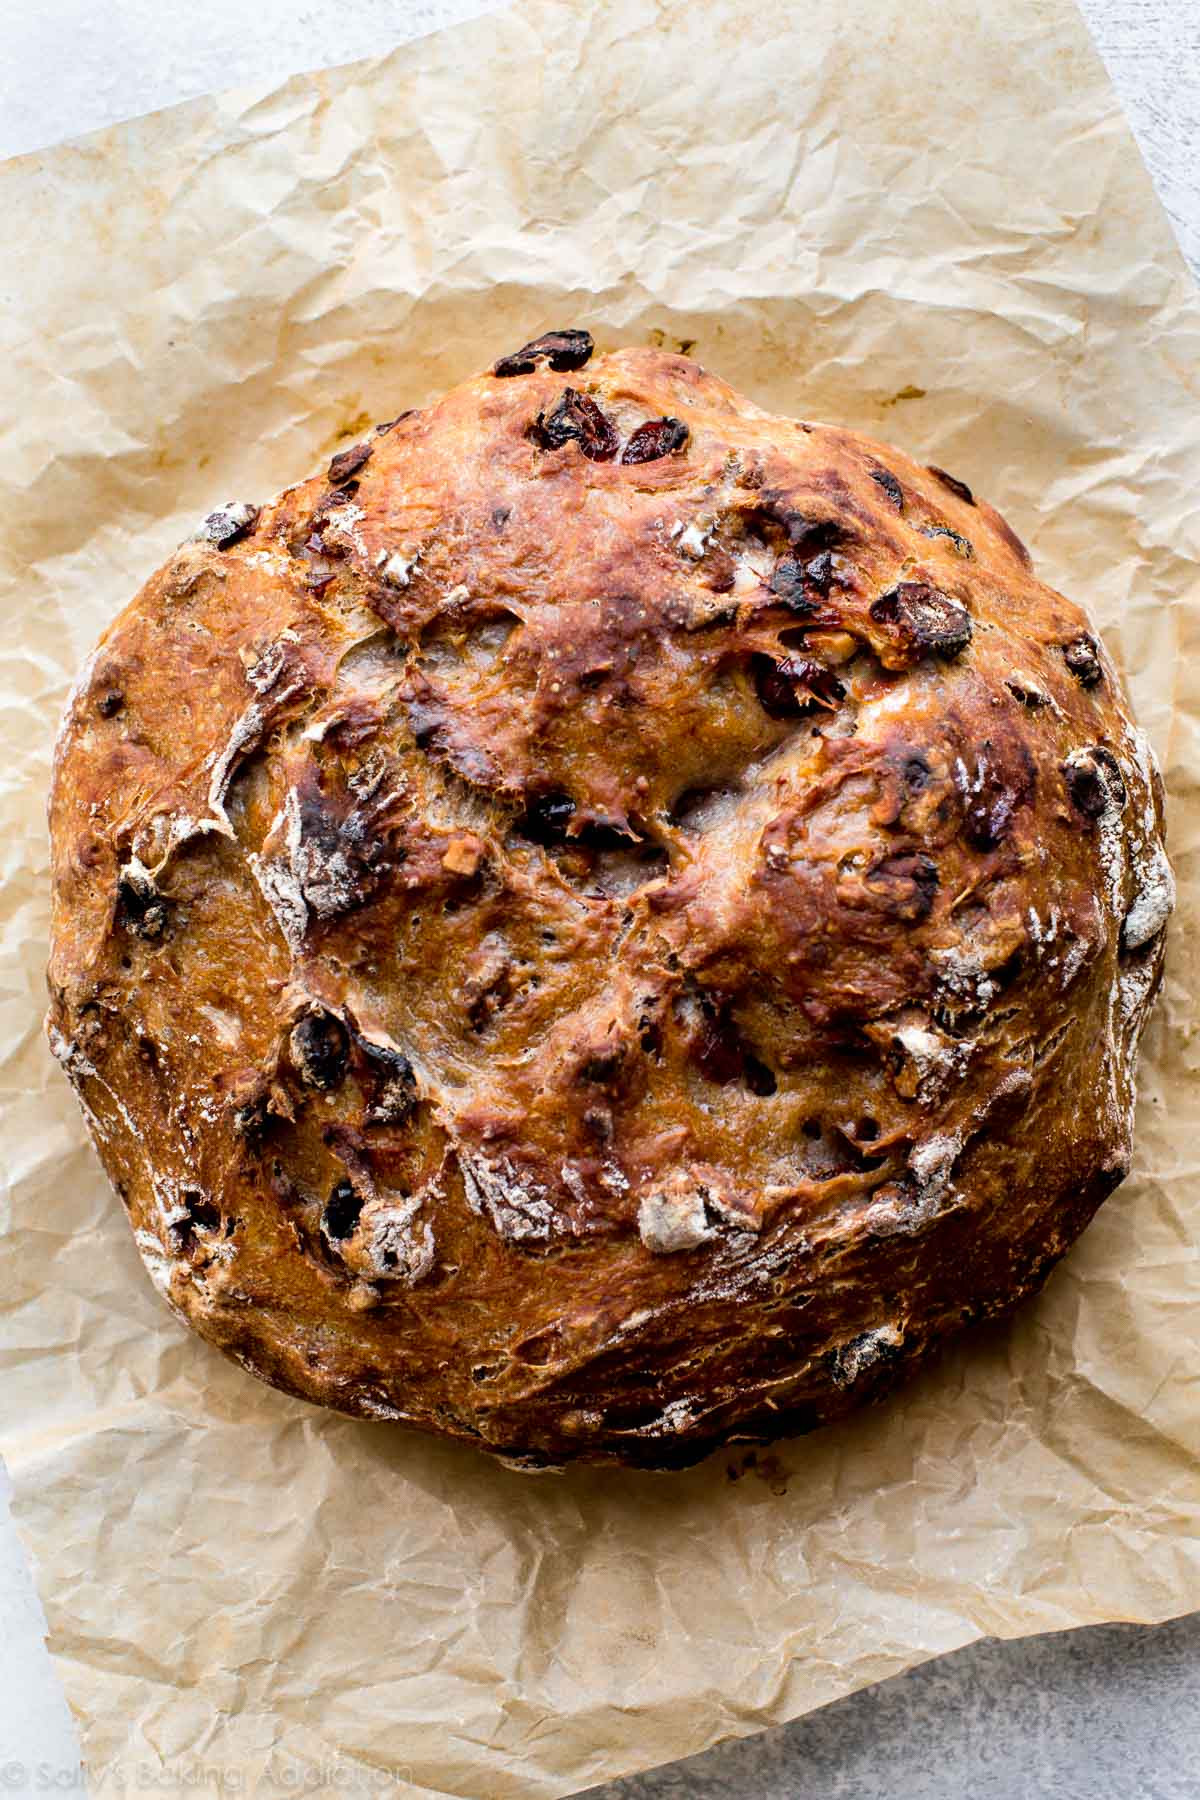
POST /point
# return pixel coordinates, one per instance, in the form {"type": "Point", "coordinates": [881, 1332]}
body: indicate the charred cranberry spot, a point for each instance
{"type": "Point", "coordinates": [110, 704]}
{"type": "Point", "coordinates": [963, 545]}
{"type": "Point", "coordinates": [891, 487]}
{"type": "Point", "coordinates": [806, 535]}
{"type": "Point", "coordinates": [343, 1209]}
{"type": "Point", "coordinates": [560, 350]}
{"type": "Point", "coordinates": [1022, 688]}
{"type": "Point", "coordinates": [320, 1047]}
{"type": "Point", "coordinates": [229, 524]}
{"type": "Point", "coordinates": [391, 1084]}
{"type": "Point", "coordinates": [577, 419]}
{"type": "Point", "coordinates": [141, 909]}
{"type": "Point", "coordinates": [819, 572]}
{"type": "Point", "coordinates": [1082, 657]}
{"type": "Point", "coordinates": [916, 773]}
{"type": "Point", "coordinates": [1086, 788]}
{"type": "Point", "coordinates": [953, 483]}
{"type": "Point", "coordinates": [814, 679]}
{"type": "Point", "coordinates": [546, 818]}
{"type": "Point", "coordinates": [1094, 781]}
{"type": "Point", "coordinates": [906, 884]}
{"type": "Point", "coordinates": [925, 620]}
{"type": "Point", "coordinates": [347, 463]}
{"type": "Point", "coordinates": [657, 437]}
{"type": "Point", "coordinates": [790, 587]}
{"type": "Point", "coordinates": [788, 689]}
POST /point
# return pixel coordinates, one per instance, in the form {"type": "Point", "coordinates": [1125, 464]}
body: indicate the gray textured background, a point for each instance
{"type": "Point", "coordinates": [1111, 1713]}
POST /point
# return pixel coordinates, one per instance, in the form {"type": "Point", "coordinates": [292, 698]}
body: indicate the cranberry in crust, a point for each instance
{"type": "Point", "coordinates": [605, 922]}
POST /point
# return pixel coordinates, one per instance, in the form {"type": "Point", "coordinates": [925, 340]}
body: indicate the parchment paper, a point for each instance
{"type": "Point", "coordinates": [928, 221]}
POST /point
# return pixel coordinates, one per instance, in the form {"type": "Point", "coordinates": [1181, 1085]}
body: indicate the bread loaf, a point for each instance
{"type": "Point", "coordinates": [606, 922]}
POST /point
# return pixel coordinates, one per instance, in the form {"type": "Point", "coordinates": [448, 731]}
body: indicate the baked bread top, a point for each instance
{"type": "Point", "coordinates": [607, 921]}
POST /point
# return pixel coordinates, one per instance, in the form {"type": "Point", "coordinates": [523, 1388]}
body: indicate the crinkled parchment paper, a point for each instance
{"type": "Point", "coordinates": [928, 221]}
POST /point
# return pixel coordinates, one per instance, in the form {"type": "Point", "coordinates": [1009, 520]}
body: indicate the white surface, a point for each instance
{"type": "Point", "coordinates": [70, 66]}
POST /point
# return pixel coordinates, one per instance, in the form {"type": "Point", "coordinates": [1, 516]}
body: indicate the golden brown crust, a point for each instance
{"type": "Point", "coordinates": [608, 921]}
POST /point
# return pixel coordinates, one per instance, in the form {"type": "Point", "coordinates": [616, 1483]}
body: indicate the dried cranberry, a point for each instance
{"type": "Point", "coordinates": [776, 695]}
{"type": "Point", "coordinates": [814, 679]}
{"type": "Point", "coordinates": [788, 689]}
{"type": "Point", "coordinates": [347, 463]}
{"type": "Point", "coordinates": [924, 619]}
{"type": "Point", "coordinates": [657, 437]}
{"type": "Point", "coordinates": [577, 419]}
{"type": "Point", "coordinates": [320, 1046]}
{"type": "Point", "coordinates": [891, 487]}
{"type": "Point", "coordinates": [561, 350]}
{"type": "Point", "coordinates": [1001, 784]}
{"type": "Point", "coordinates": [110, 704]}
{"type": "Point", "coordinates": [343, 1209]}
{"type": "Point", "coordinates": [1085, 785]}
{"type": "Point", "coordinates": [1082, 657]}
{"type": "Point", "coordinates": [716, 1050]}
{"type": "Point", "coordinates": [546, 818]}
{"type": "Point", "coordinates": [954, 484]}
{"type": "Point", "coordinates": [721, 1053]}
{"type": "Point", "coordinates": [907, 884]}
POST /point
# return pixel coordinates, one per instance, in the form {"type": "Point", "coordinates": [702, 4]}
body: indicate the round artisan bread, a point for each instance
{"type": "Point", "coordinates": [607, 923]}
